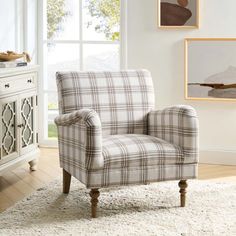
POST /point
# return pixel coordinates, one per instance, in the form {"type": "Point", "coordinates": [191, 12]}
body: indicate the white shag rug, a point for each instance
{"type": "Point", "coordinates": [138, 210]}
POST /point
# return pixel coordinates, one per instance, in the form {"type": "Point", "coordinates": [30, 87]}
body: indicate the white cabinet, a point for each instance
{"type": "Point", "coordinates": [18, 116]}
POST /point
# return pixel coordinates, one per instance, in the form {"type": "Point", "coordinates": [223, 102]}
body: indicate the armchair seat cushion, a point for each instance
{"type": "Point", "coordinates": [136, 150]}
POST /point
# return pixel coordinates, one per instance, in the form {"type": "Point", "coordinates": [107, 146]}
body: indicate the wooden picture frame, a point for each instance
{"type": "Point", "coordinates": [173, 15]}
{"type": "Point", "coordinates": [210, 69]}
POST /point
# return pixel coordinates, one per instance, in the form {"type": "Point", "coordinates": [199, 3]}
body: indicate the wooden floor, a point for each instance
{"type": "Point", "coordinates": [20, 182]}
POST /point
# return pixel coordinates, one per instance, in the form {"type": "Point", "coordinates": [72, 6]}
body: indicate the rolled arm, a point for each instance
{"type": "Point", "coordinates": [86, 116]}
{"type": "Point", "coordinates": [177, 125]}
{"type": "Point", "coordinates": [80, 140]}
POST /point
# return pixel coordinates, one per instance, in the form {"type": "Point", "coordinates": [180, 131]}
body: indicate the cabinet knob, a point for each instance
{"type": "Point", "coordinates": [7, 85]}
{"type": "Point", "coordinates": [29, 81]}
{"type": "Point", "coordinates": [20, 126]}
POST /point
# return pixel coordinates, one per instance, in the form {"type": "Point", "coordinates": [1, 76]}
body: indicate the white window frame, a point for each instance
{"type": "Point", "coordinates": [43, 110]}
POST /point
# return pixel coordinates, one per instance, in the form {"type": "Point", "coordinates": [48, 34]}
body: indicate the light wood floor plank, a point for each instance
{"type": "Point", "coordinates": [20, 185]}
{"type": "Point", "coordinates": [28, 178]}
{"type": "Point", "coordinates": [10, 191]}
{"type": "Point", "coordinates": [5, 202]}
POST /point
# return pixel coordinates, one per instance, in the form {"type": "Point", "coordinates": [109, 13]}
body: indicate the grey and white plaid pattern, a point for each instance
{"type": "Point", "coordinates": [138, 150]}
{"type": "Point", "coordinates": [109, 135]}
{"type": "Point", "coordinates": [177, 125]}
{"type": "Point", "coordinates": [80, 140]}
{"type": "Point", "coordinates": [133, 175]}
{"type": "Point", "coordinates": [121, 99]}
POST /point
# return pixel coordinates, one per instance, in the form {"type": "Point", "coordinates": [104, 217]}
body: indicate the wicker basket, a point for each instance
{"type": "Point", "coordinates": [11, 56]}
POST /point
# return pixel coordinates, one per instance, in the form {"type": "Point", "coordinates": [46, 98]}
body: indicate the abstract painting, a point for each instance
{"type": "Point", "coordinates": [210, 69]}
{"type": "Point", "coordinates": [178, 13]}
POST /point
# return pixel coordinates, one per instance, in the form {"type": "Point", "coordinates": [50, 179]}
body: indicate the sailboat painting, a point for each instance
{"type": "Point", "coordinates": [210, 69]}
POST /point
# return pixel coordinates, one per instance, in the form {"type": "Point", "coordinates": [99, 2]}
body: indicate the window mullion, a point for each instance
{"type": "Point", "coordinates": [123, 34]}
{"type": "Point", "coordinates": [81, 34]}
{"type": "Point", "coordinates": [81, 41]}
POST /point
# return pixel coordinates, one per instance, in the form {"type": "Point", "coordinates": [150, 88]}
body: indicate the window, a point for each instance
{"type": "Point", "coordinates": [76, 35]}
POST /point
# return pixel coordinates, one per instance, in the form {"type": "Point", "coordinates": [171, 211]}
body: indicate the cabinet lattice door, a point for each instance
{"type": "Point", "coordinates": [27, 117]}
{"type": "Point", "coordinates": [8, 122]}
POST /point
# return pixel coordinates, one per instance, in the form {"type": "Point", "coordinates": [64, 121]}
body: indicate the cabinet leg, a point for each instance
{"type": "Point", "coordinates": [33, 164]}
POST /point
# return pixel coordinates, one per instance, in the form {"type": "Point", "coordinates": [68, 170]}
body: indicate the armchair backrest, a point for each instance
{"type": "Point", "coordinates": [121, 99]}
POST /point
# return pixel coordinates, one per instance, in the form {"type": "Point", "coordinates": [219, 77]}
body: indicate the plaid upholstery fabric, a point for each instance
{"type": "Point", "coordinates": [80, 140]}
{"type": "Point", "coordinates": [121, 99]}
{"type": "Point", "coordinates": [109, 135]}
{"type": "Point", "coordinates": [133, 175]}
{"type": "Point", "coordinates": [138, 150]}
{"type": "Point", "coordinates": [177, 125]}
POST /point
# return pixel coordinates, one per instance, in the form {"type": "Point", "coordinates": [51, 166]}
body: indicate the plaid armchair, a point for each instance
{"type": "Point", "coordinates": [110, 134]}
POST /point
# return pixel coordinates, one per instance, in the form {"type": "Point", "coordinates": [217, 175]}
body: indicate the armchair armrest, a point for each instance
{"type": "Point", "coordinates": [87, 116]}
{"type": "Point", "coordinates": [80, 140]}
{"type": "Point", "coordinates": [177, 125]}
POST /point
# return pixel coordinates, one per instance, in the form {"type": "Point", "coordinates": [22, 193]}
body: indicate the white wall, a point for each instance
{"type": "Point", "coordinates": [7, 25]}
{"type": "Point", "coordinates": [162, 52]}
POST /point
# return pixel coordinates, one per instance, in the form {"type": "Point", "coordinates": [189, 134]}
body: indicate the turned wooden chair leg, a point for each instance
{"type": "Point", "coordinates": [94, 194]}
{"type": "Point", "coordinates": [183, 185]}
{"type": "Point", "coordinates": [66, 181]}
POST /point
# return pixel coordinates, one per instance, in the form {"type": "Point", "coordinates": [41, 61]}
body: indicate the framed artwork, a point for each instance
{"type": "Point", "coordinates": [178, 14]}
{"type": "Point", "coordinates": [210, 69]}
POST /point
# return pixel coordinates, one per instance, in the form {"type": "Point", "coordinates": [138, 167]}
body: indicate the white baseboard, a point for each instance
{"type": "Point", "coordinates": [220, 157]}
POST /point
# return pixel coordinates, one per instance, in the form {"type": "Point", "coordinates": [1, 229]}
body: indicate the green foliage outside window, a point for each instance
{"type": "Point", "coordinates": [107, 12]}
{"type": "Point", "coordinates": [52, 131]}
{"type": "Point", "coordinates": [56, 14]}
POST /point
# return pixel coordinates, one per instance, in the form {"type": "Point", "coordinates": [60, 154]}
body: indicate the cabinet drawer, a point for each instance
{"type": "Point", "coordinates": [17, 83]}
